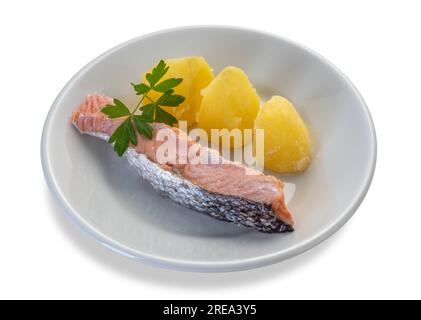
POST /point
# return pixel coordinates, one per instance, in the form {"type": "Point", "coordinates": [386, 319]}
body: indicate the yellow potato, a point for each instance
{"type": "Point", "coordinates": [230, 102]}
{"type": "Point", "coordinates": [196, 75]}
{"type": "Point", "coordinates": [286, 138]}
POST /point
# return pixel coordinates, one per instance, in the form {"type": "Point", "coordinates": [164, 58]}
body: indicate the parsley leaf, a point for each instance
{"type": "Point", "coordinates": [117, 110]}
{"type": "Point", "coordinates": [163, 116]}
{"type": "Point", "coordinates": [120, 137]}
{"type": "Point", "coordinates": [140, 88]}
{"type": "Point", "coordinates": [148, 111]}
{"type": "Point", "coordinates": [168, 84]}
{"type": "Point", "coordinates": [169, 99]}
{"type": "Point", "coordinates": [130, 132]}
{"type": "Point", "coordinates": [126, 131]}
{"type": "Point", "coordinates": [143, 127]}
{"type": "Point", "coordinates": [157, 73]}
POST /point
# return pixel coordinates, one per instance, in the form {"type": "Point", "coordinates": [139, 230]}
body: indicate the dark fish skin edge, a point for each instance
{"type": "Point", "coordinates": [245, 212]}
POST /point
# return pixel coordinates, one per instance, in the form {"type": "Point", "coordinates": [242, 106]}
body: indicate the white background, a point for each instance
{"type": "Point", "coordinates": [377, 44]}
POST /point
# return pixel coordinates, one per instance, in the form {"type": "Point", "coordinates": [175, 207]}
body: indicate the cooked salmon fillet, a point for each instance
{"type": "Point", "coordinates": [223, 189]}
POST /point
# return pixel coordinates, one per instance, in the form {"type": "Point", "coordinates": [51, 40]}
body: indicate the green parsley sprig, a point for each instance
{"type": "Point", "coordinates": [151, 112]}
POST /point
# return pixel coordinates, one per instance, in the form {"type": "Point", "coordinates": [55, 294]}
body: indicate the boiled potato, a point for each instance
{"type": "Point", "coordinates": [286, 139]}
{"type": "Point", "coordinates": [196, 75]}
{"type": "Point", "coordinates": [230, 102]}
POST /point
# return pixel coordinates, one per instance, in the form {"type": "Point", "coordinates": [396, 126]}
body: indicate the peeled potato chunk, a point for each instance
{"type": "Point", "coordinates": [196, 75]}
{"type": "Point", "coordinates": [287, 143]}
{"type": "Point", "coordinates": [229, 102]}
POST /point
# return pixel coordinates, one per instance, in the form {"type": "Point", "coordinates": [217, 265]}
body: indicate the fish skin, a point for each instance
{"type": "Point", "coordinates": [238, 210]}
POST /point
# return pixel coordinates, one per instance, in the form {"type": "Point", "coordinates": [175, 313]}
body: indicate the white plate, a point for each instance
{"type": "Point", "coordinates": [102, 195]}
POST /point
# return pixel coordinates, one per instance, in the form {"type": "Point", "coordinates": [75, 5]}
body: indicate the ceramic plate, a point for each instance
{"type": "Point", "coordinates": [106, 199]}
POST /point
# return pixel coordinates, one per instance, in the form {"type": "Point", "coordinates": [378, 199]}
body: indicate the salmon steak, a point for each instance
{"type": "Point", "coordinates": [222, 189]}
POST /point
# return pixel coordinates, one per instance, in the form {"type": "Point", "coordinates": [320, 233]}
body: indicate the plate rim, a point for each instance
{"type": "Point", "coordinates": [191, 265]}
